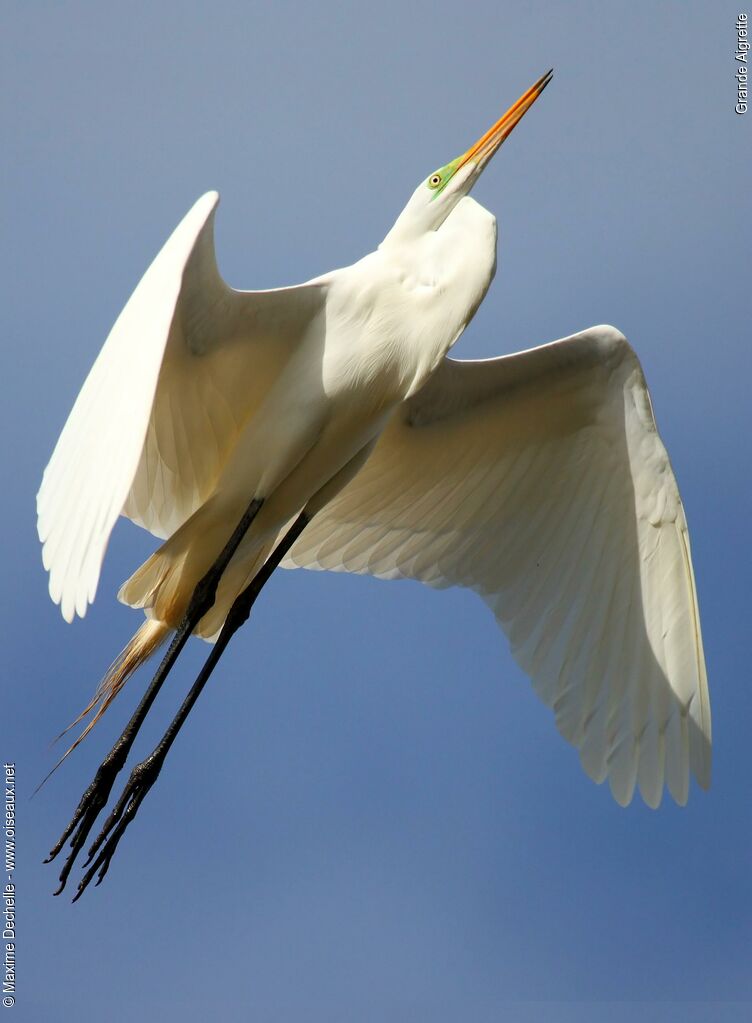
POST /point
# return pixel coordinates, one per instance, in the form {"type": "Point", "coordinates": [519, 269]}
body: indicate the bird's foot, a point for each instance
{"type": "Point", "coordinates": [93, 800]}
{"type": "Point", "coordinates": [103, 849]}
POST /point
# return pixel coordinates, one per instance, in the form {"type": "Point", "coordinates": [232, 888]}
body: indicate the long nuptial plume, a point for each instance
{"type": "Point", "coordinates": [146, 641]}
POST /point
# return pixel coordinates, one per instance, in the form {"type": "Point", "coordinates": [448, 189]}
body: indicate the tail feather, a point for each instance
{"type": "Point", "coordinates": [160, 586]}
{"type": "Point", "coordinates": [163, 585]}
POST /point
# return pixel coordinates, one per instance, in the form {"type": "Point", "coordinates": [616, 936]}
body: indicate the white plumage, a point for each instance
{"type": "Point", "coordinates": [185, 365]}
{"type": "Point", "coordinates": [538, 479]}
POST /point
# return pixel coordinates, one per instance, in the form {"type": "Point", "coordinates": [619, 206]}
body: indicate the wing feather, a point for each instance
{"type": "Point", "coordinates": [186, 363]}
{"type": "Point", "coordinates": [539, 480]}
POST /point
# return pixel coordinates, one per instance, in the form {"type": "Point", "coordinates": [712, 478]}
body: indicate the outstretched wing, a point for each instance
{"type": "Point", "coordinates": [184, 366]}
{"type": "Point", "coordinates": [539, 480]}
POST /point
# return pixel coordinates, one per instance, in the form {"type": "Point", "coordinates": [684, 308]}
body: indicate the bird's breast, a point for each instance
{"type": "Point", "coordinates": [392, 317]}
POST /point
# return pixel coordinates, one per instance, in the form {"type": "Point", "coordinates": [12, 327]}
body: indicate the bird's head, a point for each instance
{"type": "Point", "coordinates": [437, 195]}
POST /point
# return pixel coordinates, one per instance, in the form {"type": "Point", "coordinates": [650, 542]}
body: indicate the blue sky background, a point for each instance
{"type": "Point", "coordinates": [369, 815]}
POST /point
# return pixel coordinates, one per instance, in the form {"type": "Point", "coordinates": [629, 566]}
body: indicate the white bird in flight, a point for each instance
{"type": "Point", "coordinates": [323, 426]}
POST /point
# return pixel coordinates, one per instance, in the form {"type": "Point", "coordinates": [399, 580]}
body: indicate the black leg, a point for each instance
{"type": "Point", "coordinates": [146, 773]}
{"type": "Point", "coordinates": [96, 795]}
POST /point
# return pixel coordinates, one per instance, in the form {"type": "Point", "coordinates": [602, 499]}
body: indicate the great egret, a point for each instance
{"type": "Point", "coordinates": [325, 425]}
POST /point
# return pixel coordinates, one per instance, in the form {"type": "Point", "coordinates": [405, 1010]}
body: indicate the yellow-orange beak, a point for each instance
{"type": "Point", "coordinates": [487, 144]}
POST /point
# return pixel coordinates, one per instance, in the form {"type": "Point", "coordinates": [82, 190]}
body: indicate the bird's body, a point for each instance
{"type": "Point", "coordinates": [358, 355]}
{"type": "Point", "coordinates": [538, 480]}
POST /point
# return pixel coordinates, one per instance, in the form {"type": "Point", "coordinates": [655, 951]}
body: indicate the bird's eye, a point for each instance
{"type": "Point", "coordinates": [434, 181]}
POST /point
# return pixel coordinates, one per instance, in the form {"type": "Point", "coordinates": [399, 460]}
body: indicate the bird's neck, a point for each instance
{"type": "Point", "coordinates": [441, 278]}
{"type": "Point", "coordinates": [457, 261]}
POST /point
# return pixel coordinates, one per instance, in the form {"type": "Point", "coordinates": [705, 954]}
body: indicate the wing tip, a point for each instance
{"type": "Point", "coordinates": [206, 203]}
{"type": "Point", "coordinates": [608, 332]}
{"type": "Point", "coordinates": [72, 608]}
{"type": "Point", "coordinates": [612, 342]}
{"type": "Point", "coordinates": [701, 757]}
{"type": "Point", "coordinates": [72, 599]}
